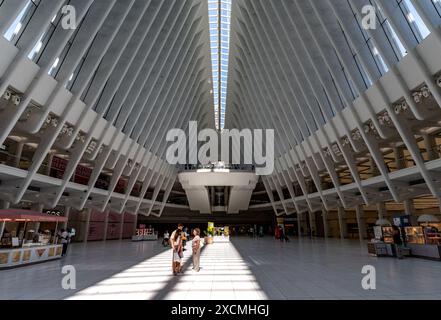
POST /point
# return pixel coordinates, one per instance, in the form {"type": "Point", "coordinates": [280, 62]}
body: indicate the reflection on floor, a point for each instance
{"type": "Point", "coordinates": [244, 269]}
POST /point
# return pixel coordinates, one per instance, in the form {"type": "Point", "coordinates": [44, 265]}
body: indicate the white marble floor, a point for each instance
{"type": "Point", "coordinates": [244, 269]}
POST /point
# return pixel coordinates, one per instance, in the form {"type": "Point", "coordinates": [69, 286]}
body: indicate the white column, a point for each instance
{"type": "Point", "coordinates": [399, 157]}
{"type": "Point", "coordinates": [312, 225]}
{"type": "Point", "coordinates": [431, 147]}
{"type": "Point", "coordinates": [3, 206]}
{"type": "Point", "coordinates": [49, 163]}
{"type": "Point", "coordinates": [2, 228]}
{"type": "Point", "coordinates": [325, 222]}
{"type": "Point", "coordinates": [135, 224]}
{"type": "Point", "coordinates": [409, 209]}
{"type": "Point", "coordinates": [88, 215]}
{"type": "Point", "coordinates": [342, 223]}
{"type": "Point", "coordinates": [106, 224]}
{"type": "Point", "coordinates": [361, 221]}
{"type": "Point", "coordinates": [38, 207]}
{"type": "Point", "coordinates": [66, 215]}
{"type": "Point", "coordinates": [18, 153]}
{"type": "Point", "coordinates": [121, 228]}
{"type": "Point", "coordinates": [382, 211]}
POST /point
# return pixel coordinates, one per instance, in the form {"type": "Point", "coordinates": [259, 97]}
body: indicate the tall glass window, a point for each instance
{"type": "Point", "coordinates": [437, 5]}
{"type": "Point", "coordinates": [42, 42]}
{"type": "Point", "coordinates": [416, 23]}
{"type": "Point", "coordinates": [392, 37]}
{"type": "Point", "coordinates": [15, 30]}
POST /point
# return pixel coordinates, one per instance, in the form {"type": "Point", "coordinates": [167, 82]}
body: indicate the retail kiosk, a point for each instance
{"type": "Point", "coordinates": [383, 244]}
{"type": "Point", "coordinates": [221, 234]}
{"type": "Point", "coordinates": [28, 237]}
{"type": "Point", "coordinates": [425, 240]}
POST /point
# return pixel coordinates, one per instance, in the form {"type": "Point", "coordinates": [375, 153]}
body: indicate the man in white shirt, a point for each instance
{"type": "Point", "coordinates": [64, 236]}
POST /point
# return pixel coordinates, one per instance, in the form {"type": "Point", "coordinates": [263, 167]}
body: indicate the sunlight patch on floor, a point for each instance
{"type": "Point", "coordinates": [224, 276]}
{"type": "Point", "coordinates": [140, 282]}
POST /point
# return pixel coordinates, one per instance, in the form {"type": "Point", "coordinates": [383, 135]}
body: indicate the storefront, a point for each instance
{"type": "Point", "coordinates": [28, 237]}
{"type": "Point", "coordinates": [383, 243]}
{"type": "Point", "coordinates": [145, 234]}
{"type": "Point", "coordinates": [221, 234]}
{"type": "Point", "coordinates": [216, 234]}
{"type": "Point", "coordinates": [425, 240]}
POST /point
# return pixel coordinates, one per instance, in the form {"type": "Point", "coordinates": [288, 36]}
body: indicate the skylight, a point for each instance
{"type": "Point", "coordinates": [220, 46]}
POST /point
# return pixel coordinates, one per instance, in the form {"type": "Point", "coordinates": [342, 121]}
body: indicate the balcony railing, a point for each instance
{"type": "Point", "coordinates": [217, 166]}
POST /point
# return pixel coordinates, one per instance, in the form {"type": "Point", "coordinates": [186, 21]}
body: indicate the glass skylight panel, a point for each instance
{"type": "Point", "coordinates": [17, 25]}
{"type": "Point", "coordinates": [220, 46]}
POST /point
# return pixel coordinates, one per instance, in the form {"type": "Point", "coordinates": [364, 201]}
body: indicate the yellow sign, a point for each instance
{"type": "Point", "coordinates": [210, 226]}
{"type": "Point", "coordinates": [280, 221]}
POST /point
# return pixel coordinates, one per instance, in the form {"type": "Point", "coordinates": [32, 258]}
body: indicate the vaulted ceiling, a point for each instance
{"type": "Point", "coordinates": [355, 109]}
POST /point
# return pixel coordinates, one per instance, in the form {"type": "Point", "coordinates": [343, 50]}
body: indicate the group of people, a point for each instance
{"type": "Point", "coordinates": [177, 241]}
{"type": "Point", "coordinates": [256, 232]}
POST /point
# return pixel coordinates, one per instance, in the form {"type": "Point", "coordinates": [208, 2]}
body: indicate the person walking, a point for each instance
{"type": "Point", "coordinates": [261, 232]}
{"type": "Point", "coordinates": [282, 234]}
{"type": "Point", "coordinates": [196, 246]}
{"type": "Point", "coordinates": [184, 238]}
{"type": "Point", "coordinates": [398, 242]}
{"type": "Point", "coordinates": [64, 236]}
{"type": "Point", "coordinates": [178, 254]}
{"type": "Point", "coordinates": [166, 240]}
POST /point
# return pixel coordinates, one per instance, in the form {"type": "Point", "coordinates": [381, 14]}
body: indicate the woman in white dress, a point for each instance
{"type": "Point", "coordinates": [177, 252]}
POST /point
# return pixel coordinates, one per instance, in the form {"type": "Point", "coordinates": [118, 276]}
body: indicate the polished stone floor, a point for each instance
{"type": "Point", "coordinates": [243, 269]}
